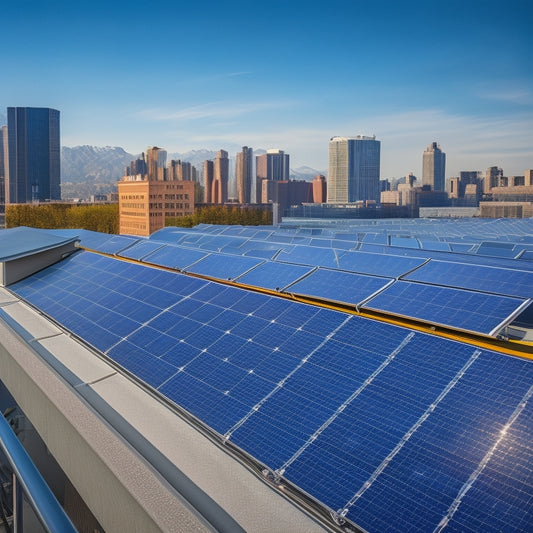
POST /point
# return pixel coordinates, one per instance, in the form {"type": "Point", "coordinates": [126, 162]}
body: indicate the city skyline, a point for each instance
{"type": "Point", "coordinates": [410, 74]}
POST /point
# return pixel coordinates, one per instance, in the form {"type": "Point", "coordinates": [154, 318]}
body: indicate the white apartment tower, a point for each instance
{"type": "Point", "coordinates": [353, 169]}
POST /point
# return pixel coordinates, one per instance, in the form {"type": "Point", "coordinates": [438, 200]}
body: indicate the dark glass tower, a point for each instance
{"type": "Point", "coordinates": [34, 155]}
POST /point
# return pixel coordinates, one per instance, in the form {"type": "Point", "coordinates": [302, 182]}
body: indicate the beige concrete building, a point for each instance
{"type": "Point", "coordinates": [506, 209]}
{"type": "Point", "coordinates": [145, 204]}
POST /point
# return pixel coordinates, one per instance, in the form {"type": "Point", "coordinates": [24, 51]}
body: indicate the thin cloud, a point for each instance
{"type": "Point", "coordinates": [516, 96]}
{"type": "Point", "coordinates": [211, 110]}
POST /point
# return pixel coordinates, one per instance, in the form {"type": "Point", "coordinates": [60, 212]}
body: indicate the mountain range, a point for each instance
{"type": "Point", "coordinates": [87, 170]}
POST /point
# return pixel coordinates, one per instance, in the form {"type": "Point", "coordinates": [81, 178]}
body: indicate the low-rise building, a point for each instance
{"type": "Point", "coordinates": [145, 204]}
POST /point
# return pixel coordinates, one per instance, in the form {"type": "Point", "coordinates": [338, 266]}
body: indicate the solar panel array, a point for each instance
{"type": "Point", "coordinates": [286, 260]}
{"type": "Point", "coordinates": [392, 429]}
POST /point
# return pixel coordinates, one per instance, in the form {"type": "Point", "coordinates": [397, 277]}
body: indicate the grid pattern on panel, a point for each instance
{"type": "Point", "coordinates": [274, 276]}
{"type": "Point", "coordinates": [174, 257]}
{"type": "Point", "coordinates": [308, 255]}
{"type": "Point", "coordinates": [223, 267]}
{"type": "Point", "coordinates": [390, 428]}
{"type": "Point", "coordinates": [491, 279]}
{"type": "Point", "coordinates": [378, 265]}
{"type": "Point", "coordinates": [114, 244]}
{"type": "Point", "coordinates": [468, 310]}
{"type": "Point", "coordinates": [338, 286]}
{"type": "Point", "coordinates": [141, 249]}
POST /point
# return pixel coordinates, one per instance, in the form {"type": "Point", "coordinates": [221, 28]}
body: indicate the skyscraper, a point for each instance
{"type": "Point", "coordinates": [244, 175]}
{"type": "Point", "coordinates": [433, 168]}
{"type": "Point", "coordinates": [272, 166]}
{"type": "Point", "coordinates": [353, 169]}
{"type": "Point", "coordinates": [156, 161]}
{"type": "Point", "coordinates": [208, 180]}
{"type": "Point", "coordinates": [3, 166]}
{"type": "Point", "coordinates": [219, 191]}
{"type": "Point", "coordinates": [33, 170]}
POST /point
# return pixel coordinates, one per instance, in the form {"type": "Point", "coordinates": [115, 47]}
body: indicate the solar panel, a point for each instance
{"type": "Point", "coordinates": [390, 428]}
{"type": "Point", "coordinates": [303, 255]}
{"type": "Point", "coordinates": [379, 265]}
{"type": "Point", "coordinates": [468, 310]}
{"type": "Point", "coordinates": [223, 267]}
{"type": "Point", "coordinates": [484, 278]}
{"type": "Point", "coordinates": [112, 245]}
{"type": "Point", "coordinates": [177, 257]}
{"type": "Point", "coordinates": [274, 276]}
{"type": "Point", "coordinates": [140, 249]}
{"type": "Point", "coordinates": [338, 286]}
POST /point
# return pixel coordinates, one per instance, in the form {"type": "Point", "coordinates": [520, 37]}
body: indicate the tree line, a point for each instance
{"type": "Point", "coordinates": [104, 218]}
{"type": "Point", "coordinates": [223, 214]}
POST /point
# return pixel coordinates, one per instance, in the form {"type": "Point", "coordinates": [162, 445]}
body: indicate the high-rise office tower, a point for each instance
{"type": "Point", "coordinates": [434, 167]}
{"type": "Point", "coordinates": [156, 160]}
{"type": "Point", "coordinates": [219, 190]}
{"type": "Point", "coordinates": [208, 181]}
{"type": "Point", "coordinates": [353, 169]}
{"type": "Point", "coordinates": [244, 175]}
{"type": "Point", "coordinates": [272, 166]}
{"type": "Point", "coordinates": [34, 159]}
{"type": "Point", "coordinates": [3, 166]}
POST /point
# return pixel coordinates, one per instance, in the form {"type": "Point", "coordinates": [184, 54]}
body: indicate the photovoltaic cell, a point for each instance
{"type": "Point", "coordinates": [484, 278]}
{"type": "Point", "coordinates": [224, 267]}
{"type": "Point", "coordinates": [377, 264]}
{"type": "Point", "coordinates": [141, 249]}
{"type": "Point", "coordinates": [338, 286]}
{"type": "Point", "coordinates": [274, 276]}
{"type": "Point", "coordinates": [177, 257]}
{"type": "Point", "coordinates": [304, 255]}
{"type": "Point", "coordinates": [468, 310]}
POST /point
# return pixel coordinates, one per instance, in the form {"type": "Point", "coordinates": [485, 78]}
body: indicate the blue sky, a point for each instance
{"type": "Point", "coordinates": [286, 75]}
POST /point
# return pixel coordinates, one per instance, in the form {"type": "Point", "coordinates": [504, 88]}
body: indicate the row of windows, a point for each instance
{"type": "Point", "coordinates": [174, 186]}
{"type": "Point", "coordinates": [176, 196]}
{"type": "Point", "coordinates": [133, 213]}
{"type": "Point", "coordinates": [176, 206]}
{"type": "Point", "coordinates": [132, 196]}
{"type": "Point", "coordinates": [133, 205]}
{"type": "Point", "coordinates": [136, 225]}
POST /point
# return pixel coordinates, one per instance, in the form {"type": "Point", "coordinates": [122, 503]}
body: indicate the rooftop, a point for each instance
{"type": "Point", "coordinates": [375, 375]}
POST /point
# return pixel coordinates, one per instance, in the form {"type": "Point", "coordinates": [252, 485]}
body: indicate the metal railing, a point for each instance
{"type": "Point", "coordinates": [26, 485]}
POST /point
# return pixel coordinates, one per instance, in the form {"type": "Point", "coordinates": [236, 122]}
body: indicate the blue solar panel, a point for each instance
{"type": "Point", "coordinates": [274, 276]}
{"type": "Point", "coordinates": [468, 310]}
{"type": "Point", "coordinates": [483, 278]}
{"type": "Point", "coordinates": [394, 429]}
{"type": "Point", "coordinates": [303, 255]}
{"type": "Point", "coordinates": [335, 285]}
{"type": "Point", "coordinates": [175, 257]}
{"type": "Point", "coordinates": [498, 249]}
{"type": "Point", "coordinates": [140, 249]}
{"type": "Point", "coordinates": [224, 267]}
{"type": "Point", "coordinates": [114, 244]}
{"type": "Point", "coordinates": [379, 265]}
